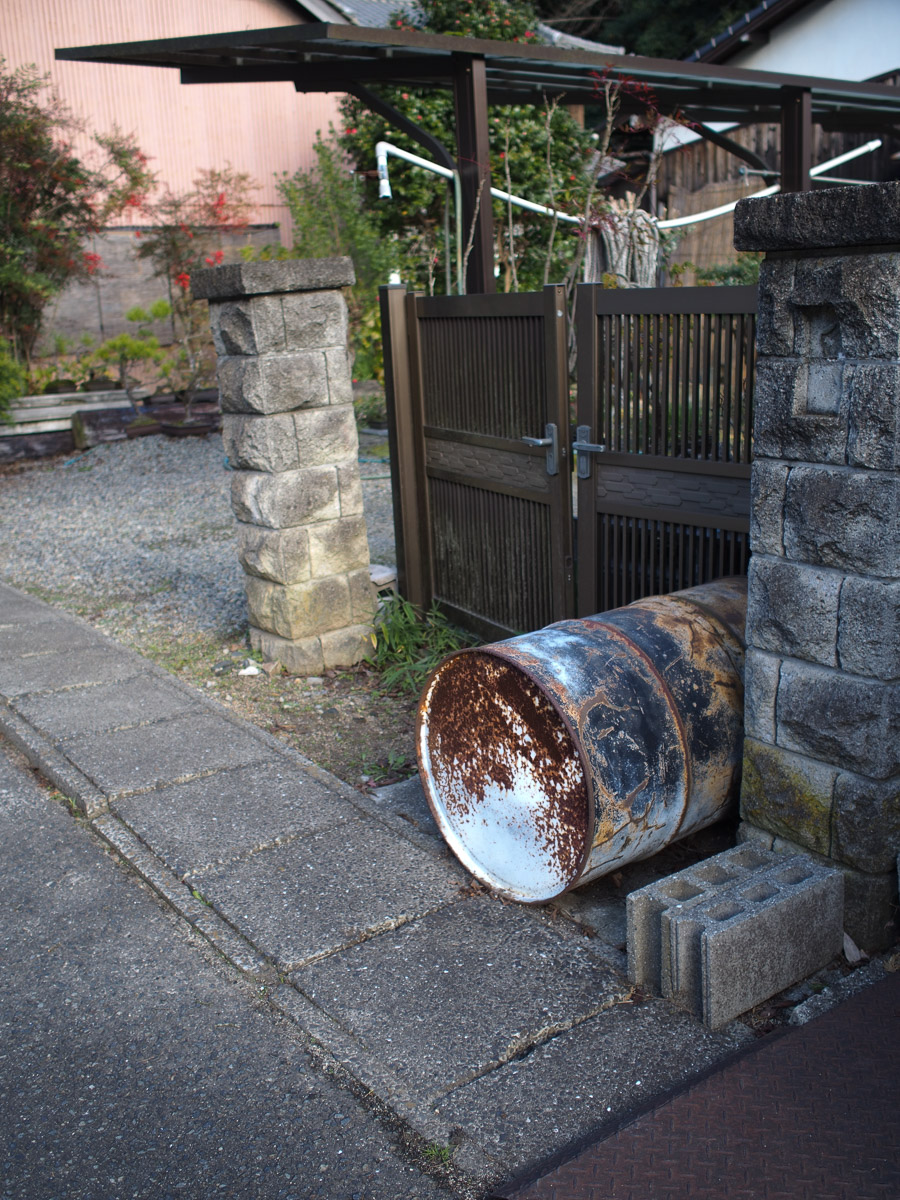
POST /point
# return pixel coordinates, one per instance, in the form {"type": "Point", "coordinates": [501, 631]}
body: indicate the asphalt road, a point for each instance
{"type": "Point", "coordinates": [135, 1064]}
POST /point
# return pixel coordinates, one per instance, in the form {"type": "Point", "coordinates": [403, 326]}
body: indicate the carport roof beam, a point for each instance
{"type": "Point", "coordinates": [328, 58]}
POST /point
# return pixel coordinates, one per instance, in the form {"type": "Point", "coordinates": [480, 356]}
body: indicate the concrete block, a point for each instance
{"type": "Point", "coordinates": [277, 275]}
{"type": "Point", "coordinates": [260, 443]}
{"type": "Point", "coordinates": [289, 498]}
{"type": "Point", "coordinates": [300, 656]}
{"type": "Point", "coordinates": [843, 518]}
{"type": "Point", "coordinates": [345, 647]}
{"type": "Point", "coordinates": [865, 828]}
{"type": "Point", "coordinates": [869, 628]}
{"type": "Point", "coordinates": [251, 326]}
{"type": "Point", "coordinates": [363, 597]}
{"type": "Point", "coordinates": [793, 420]}
{"type": "Point", "coordinates": [336, 546]}
{"type": "Point", "coordinates": [874, 403]}
{"type": "Point", "coordinates": [775, 319]}
{"type": "Point", "coordinates": [351, 491]}
{"type": "Point", "coordinates": [761, 672]}
{"type": "Point", "coordinates": [868, 305]}
{"type": "Point", "coordinates": [645, 908]}
{"type": "Point", "coordinates": [326, 436]}
{"type": "Point", "coordinates": [870, 901]}
{"type": "Point", "coordinates": [792, 609]}
{"type": "Point", "coordinates": [281, 555]}
{"type": "Point", "coordinates": [340, 383]}
{"type": "Point", "coordinates": [757, 938]}
{"type": "Point", "coordinates": [848, 216]}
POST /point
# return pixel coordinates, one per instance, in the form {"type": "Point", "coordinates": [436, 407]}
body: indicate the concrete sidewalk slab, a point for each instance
{"type": "Point", "coordinates": [201, 824]}
{"type": "Point", "coordinates": [314, 895]}
{"type": "Point", "coordinates": [478, 982]}
{"type": "Point", "coordinates": [407, 801]}
{"type": "Point", "coordinates": [101, 663]}
{"type": "Point", "coordinates": [47, 636]}
{"type": "Point", "coordinates": [118, 705]}
{"type": "Point", "coordinates": [16, 607]}
{"type": "Point", "coordinates": [130, 760]}
{"type": "Point", "coordinates": [577, 1085]}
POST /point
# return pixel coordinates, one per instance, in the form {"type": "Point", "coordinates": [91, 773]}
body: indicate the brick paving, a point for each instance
{"type": "Point", "coordinates": [808, 1115]}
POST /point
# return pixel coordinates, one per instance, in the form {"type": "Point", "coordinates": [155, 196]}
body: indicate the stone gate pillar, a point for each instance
{"type": "Point", "coordinates": [280, 330]}
{"type": "Point", "coordinates": [822, 751]}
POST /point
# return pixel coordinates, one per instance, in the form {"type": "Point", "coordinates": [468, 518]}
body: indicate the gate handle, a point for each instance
{"type": "Point", "coordinates": [584, 448]}
{"type": "Point", "coordinates": [551, 441]}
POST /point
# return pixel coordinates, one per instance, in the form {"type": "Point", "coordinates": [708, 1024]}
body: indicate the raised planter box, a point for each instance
{"type": "Point", "coordinates": [43, 425]}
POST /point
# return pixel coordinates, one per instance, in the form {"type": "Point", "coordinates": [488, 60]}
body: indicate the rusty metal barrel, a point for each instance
{"type": "Point", "coordinates": [556, 757]}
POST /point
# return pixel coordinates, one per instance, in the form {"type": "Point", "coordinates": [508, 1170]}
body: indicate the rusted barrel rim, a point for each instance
{"type": "Point", "coordinates": [438, 810]}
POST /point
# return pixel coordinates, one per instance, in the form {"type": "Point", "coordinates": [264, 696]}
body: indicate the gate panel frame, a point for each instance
{"type": "Point", "coordinates": [410, 436]}
{"type": "Point", "coordinates": [693, 362]}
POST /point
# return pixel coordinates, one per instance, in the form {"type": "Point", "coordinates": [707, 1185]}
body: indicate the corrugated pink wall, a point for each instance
{"type": "Point", "coordinates": [261, 128]}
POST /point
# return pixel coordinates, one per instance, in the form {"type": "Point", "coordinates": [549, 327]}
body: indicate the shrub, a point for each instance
{"type": "Point", "coordinates": [409, 644]}
{"type": "Point", "coordinates": [51, 201]}
{"type": "Point", "coordinates": [13, 381]}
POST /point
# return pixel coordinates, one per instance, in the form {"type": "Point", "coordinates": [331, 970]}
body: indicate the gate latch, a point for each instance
{"type": "Point", "coordinates": [551, 441]}
{"type": "Point", "coordinates": [584, 448]}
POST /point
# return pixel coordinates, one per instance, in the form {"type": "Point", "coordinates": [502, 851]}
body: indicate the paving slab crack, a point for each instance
{"type": "Point", "coordinates": [521, 1047]}
{"type": "Point", "coordinates": [366, 935]}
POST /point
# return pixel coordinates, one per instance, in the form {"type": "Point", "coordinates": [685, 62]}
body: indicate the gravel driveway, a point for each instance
{"type": "Point", "coordinates": [143, 526]}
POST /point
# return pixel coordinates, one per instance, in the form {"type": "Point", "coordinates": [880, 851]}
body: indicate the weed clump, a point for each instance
{"type": "Point", "coordinates": [408, 644]}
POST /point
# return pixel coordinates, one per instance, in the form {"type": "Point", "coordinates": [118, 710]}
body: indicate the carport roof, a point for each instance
{"type": "Point", "coordinates": [327, 57]}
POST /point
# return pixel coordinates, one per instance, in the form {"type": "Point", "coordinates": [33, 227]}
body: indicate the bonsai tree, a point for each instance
{"type": "Point", "coordinates": [133, 355]}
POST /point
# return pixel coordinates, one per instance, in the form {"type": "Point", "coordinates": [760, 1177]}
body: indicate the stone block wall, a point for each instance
{"type": "Point", "coordinates": [280, 330]}
{"type": "Point", "coordinates": [822, 747]}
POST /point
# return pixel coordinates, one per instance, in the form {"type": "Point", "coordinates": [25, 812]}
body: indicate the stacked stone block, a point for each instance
{"type": "Point", "coordinates": [280, 330]}
{"type": "Point", "coordinates": [822, 749]}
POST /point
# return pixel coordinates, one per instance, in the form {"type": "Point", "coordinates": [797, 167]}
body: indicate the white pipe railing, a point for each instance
{"type": "Point", "coordinates": [383, 149]}
{"type": "Point", "coordinates": [711, 213]}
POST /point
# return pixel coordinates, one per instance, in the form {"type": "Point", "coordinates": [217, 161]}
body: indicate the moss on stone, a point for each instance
{"type": "Point", "coordinates": [787, 795]}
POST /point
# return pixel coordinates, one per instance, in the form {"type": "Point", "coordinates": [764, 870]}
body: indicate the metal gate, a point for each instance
{"type": "Point", "coordinates": [479, 425]}
{"type": "Point", "coordinates": [481, 448]}
{"type": "Point", "coordinates": [665, 386]}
